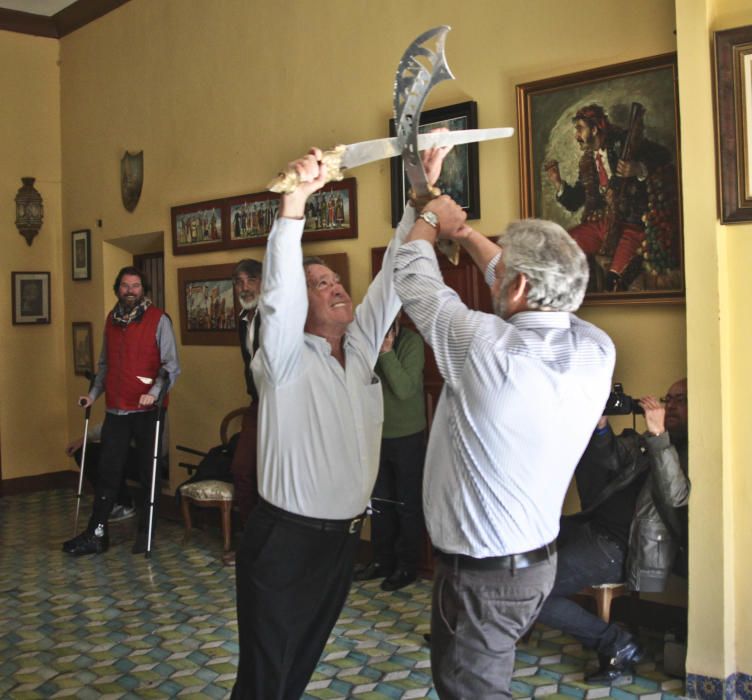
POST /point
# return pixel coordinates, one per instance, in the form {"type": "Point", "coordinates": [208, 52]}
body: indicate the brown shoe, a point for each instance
{"type": "Point", "coordinates": [228, 558]}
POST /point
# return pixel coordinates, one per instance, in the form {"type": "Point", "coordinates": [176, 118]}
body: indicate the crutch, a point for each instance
{"type": "Point", "coordinates": [160, 399]}
{"type": "Point", "coordinates": [87, 414]}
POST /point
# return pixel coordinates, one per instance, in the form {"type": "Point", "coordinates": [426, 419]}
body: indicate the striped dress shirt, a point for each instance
{"type": "Point", "coordinates": [520, 400]}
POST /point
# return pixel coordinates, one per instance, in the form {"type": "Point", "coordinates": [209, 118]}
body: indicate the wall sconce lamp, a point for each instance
{"type": "Point", "coordinates": [29, 210]}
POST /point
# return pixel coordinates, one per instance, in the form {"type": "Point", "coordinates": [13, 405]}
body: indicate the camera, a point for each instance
{"type": "Point", "coordinates": [621, 404]}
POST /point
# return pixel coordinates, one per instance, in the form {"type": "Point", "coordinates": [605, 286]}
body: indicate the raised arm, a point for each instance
{"type": "Point", "coordinates": [283, 304]}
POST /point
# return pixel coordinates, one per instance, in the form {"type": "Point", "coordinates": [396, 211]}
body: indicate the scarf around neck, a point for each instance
{"type": "Point", "coordinates": [121, 317]}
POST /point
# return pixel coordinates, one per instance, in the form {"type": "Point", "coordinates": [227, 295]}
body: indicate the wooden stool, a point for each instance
{"type": "Point", "coordinates": [208, 494]}
{"type": "Point", "coordinates": [604, 595]}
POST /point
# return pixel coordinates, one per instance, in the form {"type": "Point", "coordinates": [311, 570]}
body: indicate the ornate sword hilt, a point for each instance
{"type": "Point", "coordinates": [288, 180]}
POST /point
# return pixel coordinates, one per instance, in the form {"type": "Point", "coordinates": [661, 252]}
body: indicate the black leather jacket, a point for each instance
{"type": "Point", "coordinates": [608, 465]}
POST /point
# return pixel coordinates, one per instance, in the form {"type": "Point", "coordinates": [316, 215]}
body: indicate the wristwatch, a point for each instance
{"type": "Point", "coordinates": [430, 218]}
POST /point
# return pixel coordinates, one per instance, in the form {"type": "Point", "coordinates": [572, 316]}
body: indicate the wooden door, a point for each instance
{"type": "Point", "coordinates": [467, 280]}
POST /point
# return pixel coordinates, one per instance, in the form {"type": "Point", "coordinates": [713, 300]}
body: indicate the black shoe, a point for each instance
{"type": "Point", "coordinates": [612, 667]}
{"type": "Point", "coordinates": [399, 579]}
{"type": "Point", "coordinates": [372, 571]}
{"type": "Point", "coordinates": [86, 543]}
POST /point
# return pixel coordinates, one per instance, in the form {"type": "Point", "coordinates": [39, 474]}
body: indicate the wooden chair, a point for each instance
{"type": "Point", "coordinates": [212, 493]}
{"type": "Point", "coordinates": [604, 595]}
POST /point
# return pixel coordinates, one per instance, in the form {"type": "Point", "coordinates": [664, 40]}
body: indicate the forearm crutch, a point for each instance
{"type": "Point", "coordinates": [87, 415]}
{"type": "Point", "coordinates": [162, 393]}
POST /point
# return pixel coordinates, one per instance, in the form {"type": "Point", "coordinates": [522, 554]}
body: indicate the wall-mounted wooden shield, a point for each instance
{"type": "Point", "coordinates": [131, 178]}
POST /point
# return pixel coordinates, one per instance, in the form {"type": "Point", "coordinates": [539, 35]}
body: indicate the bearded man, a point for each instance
{"type": "Point", "coordinates": [523, 388]}
{"type": "Point", "coordinates": [246, 279]}
{"type": "Point", "coordinates": [138, 342]}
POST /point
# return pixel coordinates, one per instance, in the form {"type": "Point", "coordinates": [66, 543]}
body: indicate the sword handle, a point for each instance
{"type": "Point", "coordinates": [288, 180]}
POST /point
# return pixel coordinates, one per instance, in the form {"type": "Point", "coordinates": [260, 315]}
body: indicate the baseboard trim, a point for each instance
{"type": "Point", "coordinates": [39, 482]}
{"type": "Point", "coordinates": [738, 686]}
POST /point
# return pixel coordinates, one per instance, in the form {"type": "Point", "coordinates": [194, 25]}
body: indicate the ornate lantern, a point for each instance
{"type": "Point", "coordinates": [29, 210]}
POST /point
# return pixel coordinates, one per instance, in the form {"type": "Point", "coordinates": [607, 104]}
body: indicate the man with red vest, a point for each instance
{"type": "Point", "coordinates": [138, 342]}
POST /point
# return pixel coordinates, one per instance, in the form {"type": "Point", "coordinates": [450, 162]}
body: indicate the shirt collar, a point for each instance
{"type": "Point", "coordinates": [541, 319]}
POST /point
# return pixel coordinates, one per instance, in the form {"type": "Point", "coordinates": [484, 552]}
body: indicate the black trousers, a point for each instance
{"type": "Point", "coordinates": [292, 582]}
{"type": "Point", "coordinates": [397, 529]}
{"type": "Point", "coordinates": [91, 470]}
{"type": "Point", "coordinates": [588, 556]}
{"type": "Point", "coordinates": [117, 433]}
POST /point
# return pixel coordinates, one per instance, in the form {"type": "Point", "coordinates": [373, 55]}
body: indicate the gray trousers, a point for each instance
{"type": "Point", "coordinates": [476, 619]}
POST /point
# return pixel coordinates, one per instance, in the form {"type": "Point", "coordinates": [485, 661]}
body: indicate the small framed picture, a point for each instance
{"type": "Point", "coordinates": [199, 227]}
{"type": "Point", "coordinates": [459, 172]}
{"type": "Point", "coordinates": [208, 307]}
{"type": "Point", "coordinates": [81, 255]}
{"type": "Point", "coordinates": [83, 348]}
{"type": "Point", "coordinates": [330, 213]}
{"type": "Point", "coordinates": [30, 292]}
{"type": "Point", "coordinates": [251, 218]}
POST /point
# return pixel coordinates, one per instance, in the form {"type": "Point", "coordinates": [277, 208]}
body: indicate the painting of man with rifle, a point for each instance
{"type": "Point", "coordinates": [606, 170]}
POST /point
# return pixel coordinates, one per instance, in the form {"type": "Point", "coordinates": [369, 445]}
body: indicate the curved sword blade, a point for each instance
{"type": "Point", "coordinates": [422, 66]}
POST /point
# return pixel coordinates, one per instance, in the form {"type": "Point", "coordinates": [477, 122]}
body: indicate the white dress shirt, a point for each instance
{"type": "Point", "coordinates": [520, 401]}
{"type": "Point", "coordinates": [319, 427]}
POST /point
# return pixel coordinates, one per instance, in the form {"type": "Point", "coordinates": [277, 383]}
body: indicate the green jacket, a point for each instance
{"type": "Point", "coordinates": [401, 374]}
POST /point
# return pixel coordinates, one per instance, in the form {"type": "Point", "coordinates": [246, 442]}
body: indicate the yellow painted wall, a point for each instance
{"type": "Point", "coordinates": [32, 405]}
{"type": "Point", "coordinates": [220, 95]}
{"type": "Point", "coordinates": [718, 345]}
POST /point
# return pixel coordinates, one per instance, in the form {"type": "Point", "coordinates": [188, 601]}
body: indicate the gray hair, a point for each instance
{"type": "Point", "coordinates": [252, 268]}
{"type": "Point", "coordinates": [554, 265]}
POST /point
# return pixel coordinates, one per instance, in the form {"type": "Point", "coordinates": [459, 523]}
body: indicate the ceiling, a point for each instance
{"type": "Point", "coordinates": [52, 18]}
{"type": "Point", "coordinates": [36, 7]}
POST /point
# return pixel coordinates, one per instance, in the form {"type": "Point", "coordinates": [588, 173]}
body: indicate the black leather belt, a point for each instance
{"type": "Point", "coordinates": [349, 526]}
{"type": "Point", "coordinates": [508, 561]}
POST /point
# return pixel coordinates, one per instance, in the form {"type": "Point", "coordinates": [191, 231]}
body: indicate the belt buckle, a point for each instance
{"type": "Point", "coordinates": [354, 525]}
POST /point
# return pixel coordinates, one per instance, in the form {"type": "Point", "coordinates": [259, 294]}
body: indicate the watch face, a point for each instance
{"type": "Point", "coordinates": [431, 218]}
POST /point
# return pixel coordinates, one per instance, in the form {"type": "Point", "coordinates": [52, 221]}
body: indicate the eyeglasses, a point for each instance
{"type": "Point", "coordinates": [325, 283]}
{"type": "Point", "coordinates": [674, 398]}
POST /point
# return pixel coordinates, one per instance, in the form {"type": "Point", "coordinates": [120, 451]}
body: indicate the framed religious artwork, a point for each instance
{"type": "Point", "coordinates": [733, 105]}
{"type": "Point", "coordinates": [83, 348]}
{"type": "Point", "coordinates": [208, 306]}
{"type": "Point", "coordinates": [330, 213]}
{"type": "Point", "coordinates": [81, 255]}
{"type": "Point", "coordinates": [30, 297]}
{"type": "Point", "coordinates": [599, 154]}
{"type": "Point", "coordinates": [459, 172]}
{"type": "Point", "coordinates": [199, 227]}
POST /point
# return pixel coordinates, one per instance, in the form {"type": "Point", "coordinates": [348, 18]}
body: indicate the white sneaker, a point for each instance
{"type": "Point", "coordinates": [121, 513]}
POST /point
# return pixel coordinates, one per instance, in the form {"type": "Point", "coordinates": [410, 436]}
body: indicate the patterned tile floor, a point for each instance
{"type": "Point", "coordinates": [121, 626]}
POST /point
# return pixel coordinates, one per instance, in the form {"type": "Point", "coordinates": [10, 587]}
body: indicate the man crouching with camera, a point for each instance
{"type": "Point", "coordinates": [634, 491]}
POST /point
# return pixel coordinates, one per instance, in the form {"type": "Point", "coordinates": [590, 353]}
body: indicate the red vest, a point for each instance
{"type": "Point", "coordinates": [132, 352]}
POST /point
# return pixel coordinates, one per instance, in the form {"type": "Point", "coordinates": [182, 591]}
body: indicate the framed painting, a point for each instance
{"type": "Point", "coordinates": [83, 348]}
{"type": "Point", "coordinates": [199, 227]}
{"type": "Point", "coordinates": [81, 255]}
{"type": "Point", "coordinates": [250, 218]}
{"type": "Point", "coordinates": [208, 306]}
{"type": "Point", "coordinates": [330, 213]}
{"type": "Point", "coordinates": [30, 295]}
{"type": "Point", "coordinates": [733, 105]}
{"type": "Point", "coordinates": [599, 154]}
{"type": "Point", "coordinates": [459, 172]}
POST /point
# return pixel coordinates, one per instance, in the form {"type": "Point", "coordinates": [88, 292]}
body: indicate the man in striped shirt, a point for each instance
{"type": "Point", "coordinates": [523, 388]}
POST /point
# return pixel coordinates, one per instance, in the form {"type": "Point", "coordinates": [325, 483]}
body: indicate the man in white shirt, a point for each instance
{"type": "Point", "coordinates": [523, 388]}
{"type": "Point", "coordinates": [319, 432]}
